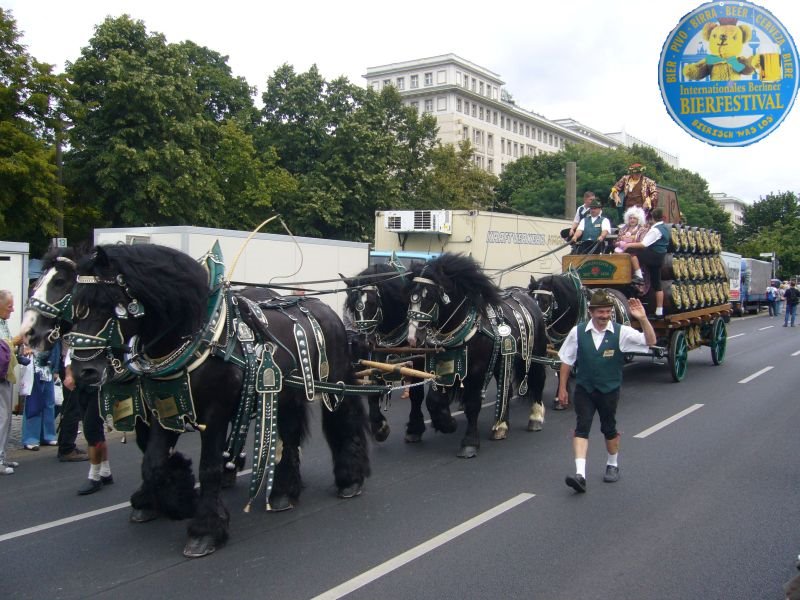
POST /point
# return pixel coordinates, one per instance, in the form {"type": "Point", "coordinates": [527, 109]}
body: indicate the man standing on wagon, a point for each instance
{"type": "Point", "coordinates": [597, 348]}
{"type": "Point", "coordinates": [638, 190]}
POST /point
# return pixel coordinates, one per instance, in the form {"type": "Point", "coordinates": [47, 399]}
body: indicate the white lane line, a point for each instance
{"type": "Point", "coordinates": [666, 422]}
{"type": "Point", "coordinates": [756, 374]}
{"type": "Point", "coordinates": [730, 337]}
{"type": "Point", "coordinates": [80, 517]}
{"type": "Point", "coordinates": [406, 557]}
{"type": "Point", "coordinates": [767, 327]}
{"type": "Point", "coordinates": [795, 353]}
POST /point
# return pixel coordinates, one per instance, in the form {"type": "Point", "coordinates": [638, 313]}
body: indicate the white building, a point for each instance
{"type": "Point", "coordinates": [731, 205]}
{"type": "Point", "coordinates": [470, 103]}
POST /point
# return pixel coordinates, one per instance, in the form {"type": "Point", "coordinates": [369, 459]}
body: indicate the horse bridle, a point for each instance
{"type": "Point", "coordinates": [60, 310]}
{"type": "Point", "coordinates": [364, 324]}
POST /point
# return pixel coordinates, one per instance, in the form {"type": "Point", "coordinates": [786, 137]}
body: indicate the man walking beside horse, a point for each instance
{"type": "Point", "coordinates": [597, 349]}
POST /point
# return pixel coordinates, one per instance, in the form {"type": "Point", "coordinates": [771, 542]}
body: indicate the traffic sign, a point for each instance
{"type": "Point", "coordinates": [767, 254]}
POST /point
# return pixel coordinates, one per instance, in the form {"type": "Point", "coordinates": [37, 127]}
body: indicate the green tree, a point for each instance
{"type": "Point", "coordinates": [352, 151]}
{"type": "Point", "coordinates": [455, 181]}
{"type": "Point", "coordinates": [162, 133]}
{"type": "Point", "coordinates": [29, 94]}
{"type": "Point", "coordinates": [770, 225]}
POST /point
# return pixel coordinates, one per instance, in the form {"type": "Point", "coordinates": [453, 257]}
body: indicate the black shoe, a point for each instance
{"type": "Point", "coordinates": [106, 479]}
{"type": "Point", "coordinates": [90, 487]}
{"type": "Point", "coordinates": [636, 280]}
{"type": "Point", "coordinates": [577, 483]}
{"type": "Point", "coordinates": [612, 474]}
{"type": "Point", "coordinates": [76, 455]}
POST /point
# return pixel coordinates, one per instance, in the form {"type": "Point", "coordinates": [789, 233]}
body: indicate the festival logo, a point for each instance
{"type": "Point", "coordinates": [728, 73]}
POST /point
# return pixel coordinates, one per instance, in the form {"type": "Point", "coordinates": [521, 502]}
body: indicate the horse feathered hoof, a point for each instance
{"type": "Point", "coordinates": [498, 434]}
{"type": "Point", "coordinates": [534, 425]}
{"type": "Point", "coordinates": [413, 438]}
{"type": "Point", "coordinates": [199, 546]}
{"type": "Point", "coordinates": [279, 504]}
{"type": "Point", "coordinates": [468, 452]}
{"type": "Point", "coordinates": [228, 478]}
{"type": "Point", "coordinates": [351, 491]}
{"type": "Point", "coordinates": [444, 424]}
{"type": "Point", "coordinates": [381, 433]}
{"type": "Point", "coordinates": [143, 515]}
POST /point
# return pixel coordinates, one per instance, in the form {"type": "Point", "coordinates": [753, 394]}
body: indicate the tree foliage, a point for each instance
{"type": "Point", "coordinates": [454, 181]}
{"type": "Point", "coordinates": [29, 94]}
{"type": "Point", "coordinates": [537, 185]}
{"type": "Point", "coordinates": [770, 225]}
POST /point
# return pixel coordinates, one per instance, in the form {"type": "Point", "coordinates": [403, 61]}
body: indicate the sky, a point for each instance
{"type": "Point", "coordinates": [593, 61]}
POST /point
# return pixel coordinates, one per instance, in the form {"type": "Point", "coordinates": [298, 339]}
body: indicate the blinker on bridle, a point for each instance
{"type": "Point", "coordinates": [134, 307]}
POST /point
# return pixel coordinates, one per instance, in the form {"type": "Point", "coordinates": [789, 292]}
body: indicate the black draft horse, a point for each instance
{"type": "Point", "coordinates": [377, 301]}
{"type": "Point", "coordinates": [49, 309]}
{"type": "Point", "coordinates": [454, 305]}
{"type": "Point", "coordinates": [161, 296]}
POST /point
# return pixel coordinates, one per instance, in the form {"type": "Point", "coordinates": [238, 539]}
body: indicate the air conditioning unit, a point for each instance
{"type": "Point", "coordinates": [419, 221]}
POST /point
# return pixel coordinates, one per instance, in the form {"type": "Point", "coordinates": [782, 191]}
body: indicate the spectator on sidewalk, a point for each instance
{"type": "Point", "coordinates": [38, 419]}
{"type": "Point", "coordinates": [7, 380]}
{"type": "Point", "coordinates": [791, 297]}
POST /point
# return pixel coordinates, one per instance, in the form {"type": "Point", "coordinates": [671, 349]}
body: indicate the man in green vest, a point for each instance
{"type": "Point", "coordinates": [597, 348]}
{"type": "Point", "coordinates": [592, 231]}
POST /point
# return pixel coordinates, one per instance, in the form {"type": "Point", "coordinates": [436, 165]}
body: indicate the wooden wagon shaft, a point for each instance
{"type": "Point", "coordinates": [405, 371]}
{"type": "Point", "coordinates": [401, 349]}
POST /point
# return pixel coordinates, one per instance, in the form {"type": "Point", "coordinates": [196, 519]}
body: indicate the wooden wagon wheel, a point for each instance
{"type": "Point", "coordinates": [678, 355]}
{"type": "Point", "coordinates": [719, 340]}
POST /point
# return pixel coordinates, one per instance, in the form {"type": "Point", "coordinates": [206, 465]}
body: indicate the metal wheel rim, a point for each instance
{"type": "Point", "coordinates": [678, 356]}
{"type": "Point", "coordinates": [719, 341]}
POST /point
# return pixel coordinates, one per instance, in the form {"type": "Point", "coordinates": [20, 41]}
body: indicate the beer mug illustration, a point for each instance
{"type": "Point", "coordinates": [769, 65]}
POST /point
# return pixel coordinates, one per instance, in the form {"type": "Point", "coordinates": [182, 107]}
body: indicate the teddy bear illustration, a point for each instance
{"type": "Point", "coordinates": [724, 62]}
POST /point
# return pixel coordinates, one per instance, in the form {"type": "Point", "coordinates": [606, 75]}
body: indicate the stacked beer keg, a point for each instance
{"type": "Point", "coordinates": [693, 275]}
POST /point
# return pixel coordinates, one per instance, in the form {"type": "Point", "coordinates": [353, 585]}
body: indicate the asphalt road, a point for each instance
{"type": "Point", "coordinates": [706, 507]}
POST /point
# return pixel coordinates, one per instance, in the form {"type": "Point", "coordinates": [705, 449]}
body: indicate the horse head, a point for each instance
{"type": "Point", "coordinates": [542, 292]}
{"type": "Point", "coordinates": [49, 307]}
{"type": "Point", "coordinates": [443, 294]}
{"type": "Point", "coordinates": [378, 299]}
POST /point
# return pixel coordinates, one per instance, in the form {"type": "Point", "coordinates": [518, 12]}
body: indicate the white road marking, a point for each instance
{"type": "Point", "coordinates": [756, 374]}
{"type": "Point", "coordinates": [418, 551]}
{"type": "Point", "coordinates": [767, 327]}
{"type": "Point", "coordinates": [795, 353]}
{"type": "Point", "coordinates": [80, 517]}
{"type": "Point", "coordinates": [730, 337]}
{"type": "Point", "coordinates": [666, 422]}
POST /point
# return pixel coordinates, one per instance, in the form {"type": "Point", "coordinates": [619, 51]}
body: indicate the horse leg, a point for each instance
{"type": "Point", "coordinates": [155, 443]}
{"type": "Point", "coordinates": [378, 424]}
{"type": "Point", "coordinates": [438, 404]}
{"type": "Point", "coordinates": [292, 423]}
{"type": "Point", "coordinates": [536, 379]}
{"type": "Point", "coordinates": [471, 442]}
{"type": "Point", "coordinates": [416, 421]}
{"type": "Point", "coordinates": [208, 530]}
{"type": "Point", "coordinates": [344, 430]}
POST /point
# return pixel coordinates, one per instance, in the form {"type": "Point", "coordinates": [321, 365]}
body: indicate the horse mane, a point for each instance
{"type": "Point", "coordinates": [461, 276]}
{"type": "Point", "coordinates": [170, 285]}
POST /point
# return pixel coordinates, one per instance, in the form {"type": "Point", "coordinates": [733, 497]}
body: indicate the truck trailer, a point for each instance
{"type": "Point", "coordinates": [756, 275]}
{"type": "Point", "coordinates": [733, 266]}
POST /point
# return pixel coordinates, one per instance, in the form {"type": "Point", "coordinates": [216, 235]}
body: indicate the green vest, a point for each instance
{"type": "Point", "coordinates": [597, 369]}
{"type": "Point", "coordinates": [591, 231]}
{"type": "Point", "coordinates": [660, 246]}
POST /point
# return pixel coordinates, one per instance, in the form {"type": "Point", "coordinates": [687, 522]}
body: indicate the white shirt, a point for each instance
{"type": "Point", "coordinates": [630, 340]}
{"type": "Point", "coordinates": [652, 235]}
{"type": "Point", "coordinates": [605, 225]}
{"type": "Point", "coordinates": [578, 218]}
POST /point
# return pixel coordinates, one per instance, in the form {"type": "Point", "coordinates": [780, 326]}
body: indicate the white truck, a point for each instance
{"type": "Point", "coordinates": [496, 240]}
{"type": "Point", "coordinates": [756, 276]}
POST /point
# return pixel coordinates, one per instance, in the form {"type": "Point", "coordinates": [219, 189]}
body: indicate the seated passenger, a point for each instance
{"type": "Point", "coordinates": [651, 252]}
{"type": "Point", "coordinates": [632, 230]}
{"type": "Point", "coordinates": [592, 231]}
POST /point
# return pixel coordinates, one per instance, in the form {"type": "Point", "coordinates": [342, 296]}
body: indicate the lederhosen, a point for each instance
{"type": "Point", "coordinates": [652, 256]}
{"type": "Point", "coordinates": [598, 381]}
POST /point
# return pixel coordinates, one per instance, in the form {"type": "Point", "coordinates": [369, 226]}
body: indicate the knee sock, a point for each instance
{"type": "Point", "coordinates": [94, 472]}
{"type": "Point", "coordinates": [105, 469]}
{"type": "Point", "coordinates": [612, 459]}
{"type": "Point", "coordinates": [580, 466]}
{"type": "Point", "coordinates": [639, 273]}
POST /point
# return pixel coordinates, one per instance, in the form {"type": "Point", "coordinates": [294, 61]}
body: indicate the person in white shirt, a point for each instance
{"type": "Point", "coordinates": [582, 211]}
{"type": "Point", "coordinates": [597, 348]}
{"type": "Point", "coordinates": [592, 231]}
{"type": "Point", "coordinates": [651, 252]}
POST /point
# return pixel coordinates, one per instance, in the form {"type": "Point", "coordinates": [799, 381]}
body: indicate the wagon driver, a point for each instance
{"type": "Point", "coordinates": [637, 189]}
{"type": "Point", "coordinates": [597, 348]}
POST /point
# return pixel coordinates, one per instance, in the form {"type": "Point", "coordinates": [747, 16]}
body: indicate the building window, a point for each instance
{"type": "Point", "coordinates": [539, 134]}
{"type": "Point", "coordinates": [490, 165]}
{"type": "Point", "coordinates": [428, 78]}
{"type": "Point", "coordinates": [489, 142]}
{"type": "Point", "coordinates": [502, 122]}
{"type": "Point", "coordinates": [387, 82]}
{"type": "Point", "coordinates": [465, 133]}
{"type": "Point", "coordinates": [502, 145]}
{"type": "Point", "coordinates": [480, 113]}
{"type": "Point", "coordinates": [527, 131]}
{"type": "Point", "coordinates": [494, 117]}
{"type": "Point", "coordinates": [401, 83]}
{"type": "Point", "coordinates": [458, 77]}
{"type": "Point", "coordinates": [474, 84]}
{"type": "Point", "coordinates": [474, 110]}
{"type": "Point", "coordinates": [428, 105]}
{"type": "Point", "coordinates": [466, 107]}
{"type": "Point", "coordinates": [441, 103]}
{"type": "Point", "coordinates": [415, 105]}
{"type": "Point", "coordinates": [550, 135]}
{"type": "Point", "coordinates": [508, 124]}
{"type": "Point", "coordinates": [516, 150]}
{"type": "Point", "coordinates": [376, 85]}
{"type": "Point", "coordinates": [414, 82]}
{"type": "Point", "coordinates": [515, 127]}
{"type": "Point", "coordinates": [458, 104]}
{"type": "Point", "coordinates": [441, 76]}
{"type": "Point", "coordinates": [480, 88]}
